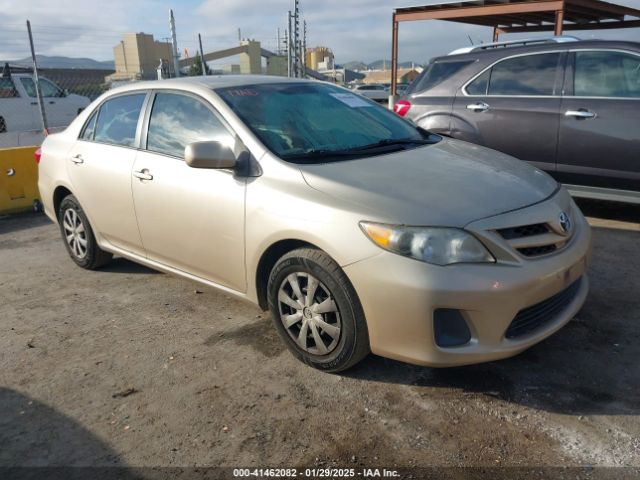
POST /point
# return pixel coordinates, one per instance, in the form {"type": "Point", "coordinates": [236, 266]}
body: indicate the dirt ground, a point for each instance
{"type": "Point", "coordinates": [127, 366]}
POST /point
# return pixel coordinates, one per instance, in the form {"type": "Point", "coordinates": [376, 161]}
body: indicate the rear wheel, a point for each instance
{"type": "Point", "coordinates": [78, 236]}
{"type": "Point", "coordinates": [316, 311]}
{"type": "Point", "coordinates": [3, 125]}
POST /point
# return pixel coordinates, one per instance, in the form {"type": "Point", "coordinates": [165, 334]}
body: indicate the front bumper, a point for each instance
{"type": "Point", "coordinates": [399, 296]}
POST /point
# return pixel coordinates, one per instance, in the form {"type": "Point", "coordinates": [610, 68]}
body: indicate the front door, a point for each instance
{"type": "Point", "coordinates": [599, 140]}
{"type": "Point", "coordinates": [100, 165]}
{"type": "Point", "coordinates": [514, 107]}
{"type": "Point", "coordinates": [189, 219]}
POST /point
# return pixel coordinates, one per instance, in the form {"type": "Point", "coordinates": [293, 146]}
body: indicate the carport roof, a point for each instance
{"type": "Point", "coordinates": [527, 16]}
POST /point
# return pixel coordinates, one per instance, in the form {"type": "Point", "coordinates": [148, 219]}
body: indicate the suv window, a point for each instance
{"type": "Point", "coordinates": [525, 75]}
{"type": "Point", "coordinates": [606, 74]}
{"type": "Point", "coordinates": [118, 120]}
{"type": "Point", "coordinates": [437, 73]}
{"type": "Point", "coordinates": [178, 120]}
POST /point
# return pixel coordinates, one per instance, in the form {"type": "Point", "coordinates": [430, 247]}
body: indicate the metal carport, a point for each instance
{"type": "Point", "coordinates": [508, 16]}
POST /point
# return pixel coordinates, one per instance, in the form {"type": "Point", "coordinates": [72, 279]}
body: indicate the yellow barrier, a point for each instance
{"type": "Point", "coordinates": [18, 179]}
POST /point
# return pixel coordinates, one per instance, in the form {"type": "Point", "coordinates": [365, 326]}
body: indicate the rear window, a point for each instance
{"type": "Point", "coordinates": [435, 74]}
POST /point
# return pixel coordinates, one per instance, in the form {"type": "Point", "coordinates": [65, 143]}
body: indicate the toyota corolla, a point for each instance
{"type": "Point", "coordinates": [358, 231]}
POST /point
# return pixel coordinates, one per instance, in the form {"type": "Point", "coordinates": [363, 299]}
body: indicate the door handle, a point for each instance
{"type": "Point", "coordinates": [51, 102]}
{"type": "Point", "coordinates": [34, 103]}
{"type": "Point", "coordinates": [143, 174]}
{"type": "Point", "coordinates": [77, 159]}
{"type": "Point", "coordinates": [580, 114]}
{"type": "Point", "coordinates": [478, 107]}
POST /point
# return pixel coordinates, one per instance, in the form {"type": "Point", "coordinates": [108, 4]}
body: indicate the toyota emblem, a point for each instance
{"type": "Point", "coordinates": [565, 222]}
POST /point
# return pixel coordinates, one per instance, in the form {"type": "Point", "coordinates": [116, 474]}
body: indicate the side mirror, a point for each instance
{"type": "Point", "coordinates": [65, 92]}
{"type": "Point", "coordinates": [209, 154]}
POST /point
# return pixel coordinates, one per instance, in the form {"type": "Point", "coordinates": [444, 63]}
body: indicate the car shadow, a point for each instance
{"type": "Point", "coordinates": [22, 221]}
{"type": "Point", "coordinates": [623, 212]}
{"type": "Point", "coordinates": [122, 265]}
{"type": "Point", "coordinates": [40, 442]}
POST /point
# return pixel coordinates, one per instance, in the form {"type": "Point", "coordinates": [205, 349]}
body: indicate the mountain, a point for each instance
{"type": "Point", "coordinates": [355, 65]}
{"type": "Point", "coordinates": [45, 61]}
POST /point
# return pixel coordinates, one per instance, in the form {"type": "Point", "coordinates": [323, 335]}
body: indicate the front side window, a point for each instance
{"type": "Point", "coordinates": [299, 120]}
{"type": "Point", "coordinates": [7, 88]}
{"type": "Point", "coordinates": [47, 88]}
{"type": "Point", "coordinates": [178, 120]}
{"type": "Point", "coordinates": [606, 74]}
{"type": "Point", "coordinates": [519, 76]}
{"type": "Point", "coordinates": [118, 119]}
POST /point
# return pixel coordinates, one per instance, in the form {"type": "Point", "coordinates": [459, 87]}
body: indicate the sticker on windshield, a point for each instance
{"type": "Point", "coordinates": [351, 99]}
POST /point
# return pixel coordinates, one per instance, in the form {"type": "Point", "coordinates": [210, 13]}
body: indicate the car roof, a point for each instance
{"type": "Point", "coordinates": [507, 51]}
{"type": "Point", "coordinates": [208, 81]}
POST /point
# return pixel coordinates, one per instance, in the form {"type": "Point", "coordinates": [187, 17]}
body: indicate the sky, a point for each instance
{"type": "Point", "coordinates": [353, 29]}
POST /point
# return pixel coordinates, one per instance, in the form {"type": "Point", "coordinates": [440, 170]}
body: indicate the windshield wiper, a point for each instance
{"type": "Point", "coordinates": [382, 145]}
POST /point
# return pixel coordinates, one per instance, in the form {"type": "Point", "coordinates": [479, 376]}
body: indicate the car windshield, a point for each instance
{"type": "Point", "coordinates": [304, 122]}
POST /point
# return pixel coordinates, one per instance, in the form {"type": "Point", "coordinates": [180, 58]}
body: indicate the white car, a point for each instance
{"type": "Point", "coordinates": [19, 109]}
{"type": "Point", "coordinates": [378, 93]}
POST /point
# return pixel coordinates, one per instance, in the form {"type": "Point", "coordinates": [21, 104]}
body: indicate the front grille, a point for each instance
{"type": "Point", "coordinates": [538, 250]}
{"type": "Point", "coordinates": [524, 231]}
{"type": "Point", "coordinates": [536, 316]}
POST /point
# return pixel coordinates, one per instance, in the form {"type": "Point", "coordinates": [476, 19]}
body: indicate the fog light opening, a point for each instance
{"type": "Point", "coordinates": [450, 327]}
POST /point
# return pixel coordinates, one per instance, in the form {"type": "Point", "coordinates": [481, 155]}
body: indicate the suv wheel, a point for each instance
{"type": "Point", "coordinates": [78, 236]}
{"type": "Point", "coordinates": [316, 311]}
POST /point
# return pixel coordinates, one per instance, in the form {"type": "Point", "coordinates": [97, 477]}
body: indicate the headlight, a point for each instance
{"type": "Point", "coordinates": [440, 246]}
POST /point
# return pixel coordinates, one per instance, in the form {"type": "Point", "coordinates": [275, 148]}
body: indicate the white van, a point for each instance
{"type": "Point", "coordinates": [19, 109]}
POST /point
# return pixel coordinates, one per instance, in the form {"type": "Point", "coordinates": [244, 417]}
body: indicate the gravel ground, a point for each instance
{"type": "Point", "coordinates": [127, 366]}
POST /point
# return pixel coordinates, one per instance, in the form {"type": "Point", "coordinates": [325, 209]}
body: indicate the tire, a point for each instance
{"type": "Point", "coordinates": [78, 236]}
{"type": "Point", "coordinates": [3, 125]}
{"type": "Point", "coordinates": [333, 316]}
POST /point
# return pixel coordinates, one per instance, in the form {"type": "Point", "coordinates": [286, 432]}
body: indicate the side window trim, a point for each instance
{"type": "Point", "coordinates": [96, 111]}
{"type": "Point", "coordinates": [571, 71]}
{"type": "Point", "coordinates": [490, 67]}
{"type": "Point", "coordinates": [148, 107]}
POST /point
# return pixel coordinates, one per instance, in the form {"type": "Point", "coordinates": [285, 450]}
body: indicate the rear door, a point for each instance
{"type": "Point", "coordinates": [190, 219]}
{"type": "Point", "coordinates": [100, 165]}
{"type": "Point", "coordinates": [513, 106]}
{"type": "Point", "coordinates": [599, 140]}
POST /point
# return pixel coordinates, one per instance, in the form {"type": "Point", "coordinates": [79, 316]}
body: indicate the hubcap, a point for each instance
{"type": "Point", "coordinates": [309, 313]}
{"type": "Point", "coordinates": [75, 233]}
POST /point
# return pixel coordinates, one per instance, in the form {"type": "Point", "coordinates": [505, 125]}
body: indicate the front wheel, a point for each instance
{"type": "Point", "coordinates": [78, 236]}
{"type": "Point", "coordinates": [317, 311]}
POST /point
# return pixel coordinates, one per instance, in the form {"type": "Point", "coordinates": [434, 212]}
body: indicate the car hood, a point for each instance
{"type": "Point", "coordinates": [450, 183]}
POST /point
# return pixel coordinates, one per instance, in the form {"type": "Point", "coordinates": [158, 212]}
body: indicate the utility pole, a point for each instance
{"type": "Point", "coordinates": [43, 113]}
{"type": "Point", "coordinates": [174, 41]}
{"type": "Point", "coordinates": [304, 49]}
{"type": "Point", "coordinates": [202, 62]}
{"type": "Point", "coordinates": [289, 56]}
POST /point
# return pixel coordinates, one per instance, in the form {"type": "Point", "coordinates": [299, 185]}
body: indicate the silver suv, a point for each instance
{"type": "Point", "coordinates": [569, 107]}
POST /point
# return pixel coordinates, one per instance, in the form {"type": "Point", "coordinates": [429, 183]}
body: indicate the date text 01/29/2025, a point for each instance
{"type": "Point", "coordinates": [315, 473]}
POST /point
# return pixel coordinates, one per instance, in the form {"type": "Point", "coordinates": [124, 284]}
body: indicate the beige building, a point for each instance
{"type": "Point", "coordinates": [137, 57]}
{"type": "Point", "coordinates": [319, 58]}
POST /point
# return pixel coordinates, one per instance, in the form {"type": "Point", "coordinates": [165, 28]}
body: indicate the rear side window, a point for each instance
{"type": "Point", "coordinates": [90, 127]}
{"type": "Point", "coordinates": [7, 88]}
{"type": "Point", "coordinates": [118, 120]}
{"type": "Point", "coordinates": [437, 73]}
{"type": "Point", "coordinates": [525, 75]}
{"type": "Point", "coordinates": [178, 120]}
{"type": "Point", "coordinates": [606, 74]}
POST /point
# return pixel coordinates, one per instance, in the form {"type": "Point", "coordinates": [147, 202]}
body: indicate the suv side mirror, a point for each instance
{"type": "Point", "coordinates": [209, 154]}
